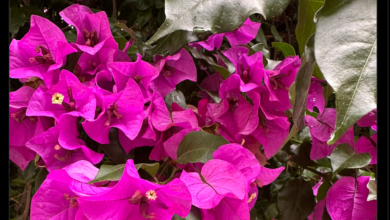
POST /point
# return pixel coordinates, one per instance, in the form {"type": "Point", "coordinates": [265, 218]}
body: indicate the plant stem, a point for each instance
{"type": "Point", "coordinates": [323, 175]}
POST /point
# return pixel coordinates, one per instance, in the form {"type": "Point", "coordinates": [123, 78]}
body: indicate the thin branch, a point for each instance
{"type": "Point", "coordinates": [114, 9]}
{"type": "Point", "coordinates": [323, 175]}
{"type": "Point", "coordinates": [28, 200]}
{"type": "Point", "coordinates": [171, 177]}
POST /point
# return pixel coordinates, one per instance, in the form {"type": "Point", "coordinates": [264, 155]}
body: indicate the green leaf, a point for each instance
{"type": "Point", "coordinates": [132, 52]}
{"type": "Point", "coordinates": [143, 17]}
{"type": "Point", "coordinates": [286, 48]}
{"type": "Point", "coordinates": [198, 146]}
{"type": "Point", "coordinates": [215, 16]}
{"type": "Point", "coordinates": [295, 200]}
{"type": "Point", "coordinates": [266, 54]}
{"type": "Point", "coordinates": [343, 156]}
{"type": "Point", "coordinates": [276, 34]}
{"type": "Point", "coordinates": [193, 215]}
{"type": "Point", "coordinates": [40, 178]}
{"type": "Point", "coordinates": [71, 35]}
{"type": "Point", "coordinates": [271, 211]}
{"type": "Point", "coordinates": [32, 10]}
{"type": "Point", "coordinates": [213, 95]}
{"type": "Point", "coordinates": [172, 43]}
{"type": "Point", "coordinates": [323, 190]}
{"type": "Point", "coordinates": [271, 64]}
{"type": "Point", "coordinates": [227, 62]}
{"type": "Point", "coordinates": [292, 132]}
{"type": "Point", "coordinates": [115, 172]}
{"type": "Point", "coordinates": [372, 190]}
{"type": "Point", "coordinates": [260, 37]}
{"type": "Point", "coordinates": [16, 20]}
{"type": "Point", "coordinates": [150, 168]}
{"type": "Point", "coordinates": [177, 97]}
{"type": "Point", "coordinates": [306, 26]}
{"type": "Point", "coordinates": [29, 171]}
{"type": "Point", "coordinates": [18, 182]}
{"type": "Point", "coordinates": [301, 155]}
{"type": "Point", "coordinates": [109, 173]}
{"type": "Point", "coordinates": [121, 41]}
{"type": "Point", "coordinates": [198, 55]}
{"type": "Point", "coordinates": [345, 50]}
{"type": "Point", "coordinates": [302, 84]}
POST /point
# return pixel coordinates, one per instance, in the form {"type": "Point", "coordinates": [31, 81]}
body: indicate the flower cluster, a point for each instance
{"type": "Point", "coordinates": [107, 90]}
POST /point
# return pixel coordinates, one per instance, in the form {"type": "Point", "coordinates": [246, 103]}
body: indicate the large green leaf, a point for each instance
{"type": "Point", "coordinates": [16, 20]}
{"type": "Point", "coordinates": [198, 146]}
{"type": "Point", "coordinates": [177, 97]}
{"type": "Point", "coordinates": [216, 16]}
{"type": "Point", "coordinates": [343, 156]}
{"type": "Point", "coordinates": [198, 55]}
{"type": "Point", "coordinates": [109, 173]}
{"type": "Point", "coordinates": [172, 43]}
{"type": "Point", "coordinates": [295, 200]}
{"type": "Point", "coordinates": [323, 190]}
{"type": "Point", "coordinates": [115, 172]}
{"type": "Point", "coordinates": [306, 26]}
{"type": "Point", "coordinates": [345, 50]}
{"type": "Point", "coordinates": [40, 178]}
{"type": "Point", "coordinates": [286, 48]}
{"type": "Point", "coordinates": [302, 84]}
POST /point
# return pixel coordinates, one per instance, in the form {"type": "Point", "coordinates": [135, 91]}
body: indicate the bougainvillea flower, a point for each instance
{"type": "Point", "coordinates": [267, 176]}
{"type": "Point", "coordinates": [241, 158]}
{"type": "Point", "coordinates": [242, 35]}
{"type": "Point", "coordinates": [59, 146]}
{"type": "Point", "coordinates": [123, 110]}
{"type": "Point", "coordinates": [273, 126]}
{"type": "Point", "coordinates": [219, 179]}
{"type": "Point", "coordinates": [320, 131]}
{"type": "Point", "coordinates": [55, 198]}
{"type": "Point", "coordinates": [40, 53]}
{"type": "Point", "coordinates": [140, 71]}
{"type": "Point", "coordinates": [172, 144]}
{"type": "Point", "coordinates": [368, 120]}
{"type": "Point", "coordinates": [315, 96]}
{"type": "Point", "coordinates": [318, 210]}
{"type": "Point", "coordinates": [316, 187]}
{"type": "Point", "coordinates": [347, 199]}
{"type": "Point", "coordinates": [228, 208]}
{"type": "Point", "coordinates": [367, 145]}
{"type": "Point", "coordinates": [211, 84]}
{"type": "Point", "coordinates": [93, 29]}
{"type": "Point", "coordinates": [279, 79]}
{"type": "Point", "coordinates": [135, 198]}
{"type": "Point", "coordinates": [147, 136]}
{"type": "Point", "coordinates": [162, 119]}
{"type": "Point", "coordinates": [22, 128]}
{"type": "Point", "coordinates": [173, 69]}
{"type": "Point", "coordinates": [249, 68]}
{"type": "Point", "coordinates": [67, 96]}
{"type": "Point", "coordinates": [82, 171]}
{"type": "Point", "coordinates": [174, 124]}
{"type": "Point", "coordinates": [213, 41]}
{"type": "Point", "coordinates": [91, 64]}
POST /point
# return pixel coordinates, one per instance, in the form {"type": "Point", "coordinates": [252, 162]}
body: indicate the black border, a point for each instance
{"type": "Point", "coordinates": [383, 109]}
